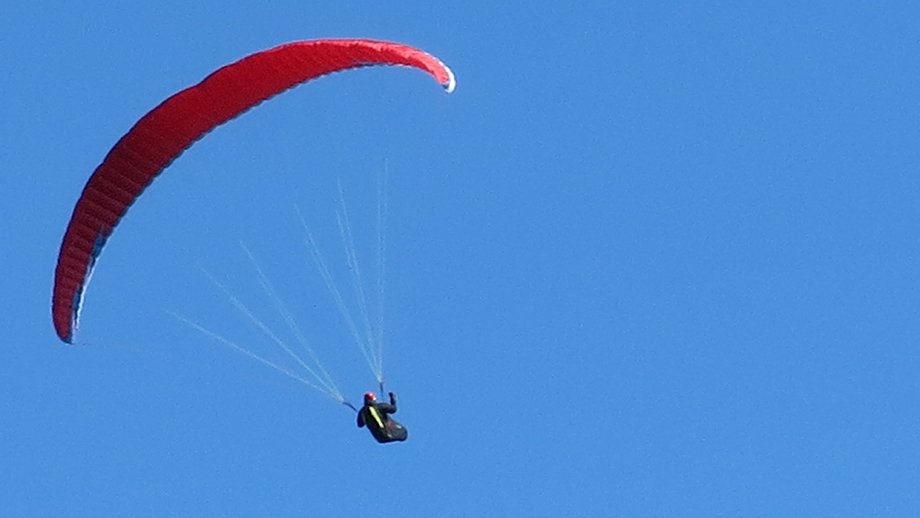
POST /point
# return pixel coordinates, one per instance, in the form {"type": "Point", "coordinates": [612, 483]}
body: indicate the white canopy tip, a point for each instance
{"type": "Point", "coordinates": [451, 80]}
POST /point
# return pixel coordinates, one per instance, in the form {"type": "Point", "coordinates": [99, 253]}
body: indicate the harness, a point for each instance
{"type": "Point", "coordinates": [372, 410]}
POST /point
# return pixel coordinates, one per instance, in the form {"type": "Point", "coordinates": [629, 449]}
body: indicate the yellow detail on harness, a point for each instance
{"type": "Point", "coordinates": [373, 412]}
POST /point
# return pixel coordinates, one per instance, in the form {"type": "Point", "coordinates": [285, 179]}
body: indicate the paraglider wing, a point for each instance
{"type": "Point", "coordinates": [167, 130]}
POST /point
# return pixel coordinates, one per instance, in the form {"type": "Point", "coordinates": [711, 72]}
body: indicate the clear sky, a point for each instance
{"type": "Point", "coordinates": [649, 259]}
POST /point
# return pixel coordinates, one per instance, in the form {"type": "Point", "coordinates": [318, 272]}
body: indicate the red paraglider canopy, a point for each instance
{"type": "Point", "coordinates": [162, 134]}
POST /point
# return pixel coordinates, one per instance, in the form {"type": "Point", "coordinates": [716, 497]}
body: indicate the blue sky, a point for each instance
{"type": "Point", "coordinates": [649, 259]}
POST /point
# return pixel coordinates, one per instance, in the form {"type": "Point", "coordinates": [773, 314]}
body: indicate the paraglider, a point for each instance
{"type": "Point", "coordinates": [376, 416]}
{"type": "Point", "coordinates": [161, 135]}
